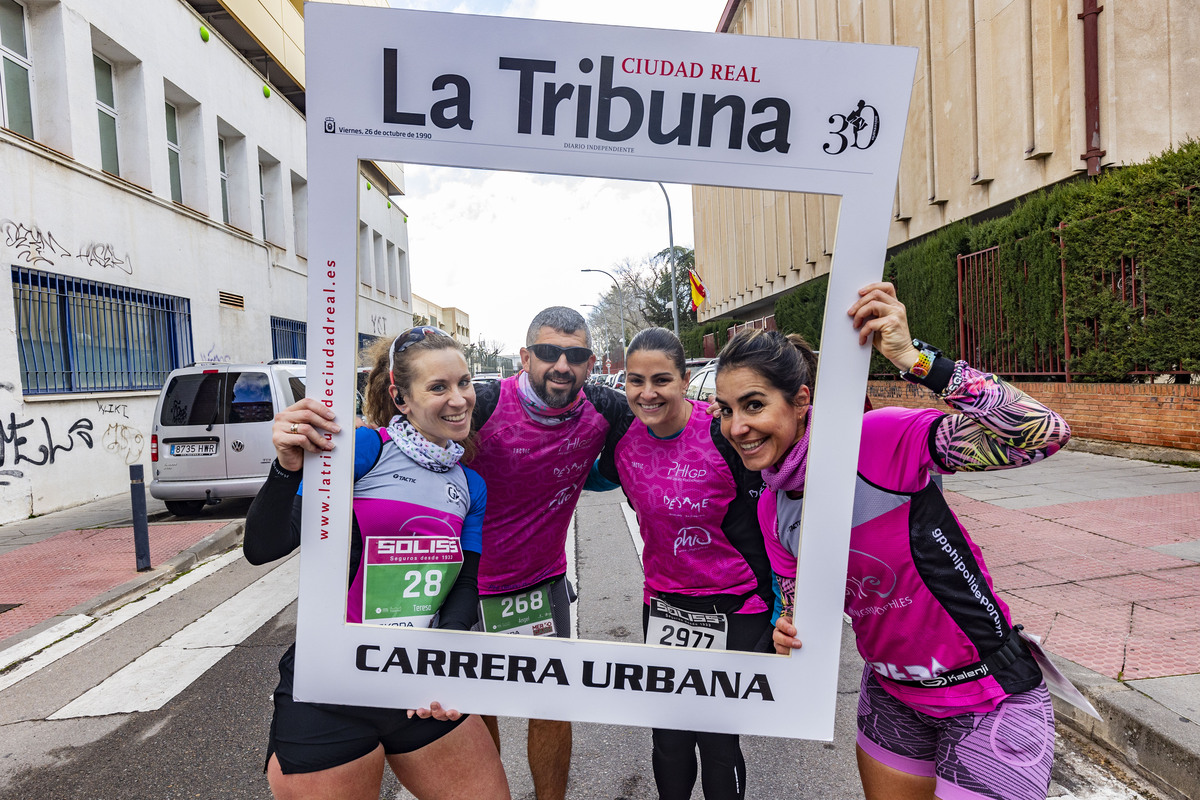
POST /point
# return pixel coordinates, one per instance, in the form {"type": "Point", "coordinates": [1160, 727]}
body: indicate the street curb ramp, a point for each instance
{"type": "Point", "coordinates": [1153, 741]}
{"type": "Point", "coordinates": [217, 542]}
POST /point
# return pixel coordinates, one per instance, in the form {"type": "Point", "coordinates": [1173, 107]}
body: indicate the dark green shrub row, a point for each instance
{"type": "Point", "coordinates": [693, 338]}
{"type": "Point", "coordinates": [1135, 228]}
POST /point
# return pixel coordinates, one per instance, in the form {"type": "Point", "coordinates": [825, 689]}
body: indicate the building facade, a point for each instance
{"type": "Point", "coordinates": [1009, 96]}
{"type": "Point", "coordinates": [153, 213]}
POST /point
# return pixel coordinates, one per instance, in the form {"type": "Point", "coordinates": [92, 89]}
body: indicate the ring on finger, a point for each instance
{"type": "Point", "coordinates": [292, 429]}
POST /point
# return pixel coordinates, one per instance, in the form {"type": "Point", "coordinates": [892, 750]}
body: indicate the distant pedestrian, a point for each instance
{"type": "Point", "coordinates": [952, 703]}
{"type": "Point", "coordinates": [418, 407]}
{"type": "Point", "coordinates": [708, 580]}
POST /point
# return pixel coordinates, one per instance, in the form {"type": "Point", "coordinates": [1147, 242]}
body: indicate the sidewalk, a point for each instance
{"type": "Point", "coordinates": [81, 560]}
{"type": "Point", "coordinates": [1099, 555]}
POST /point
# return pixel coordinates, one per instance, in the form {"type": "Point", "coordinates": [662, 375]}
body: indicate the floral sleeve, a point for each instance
{"type": "Point", "coordinates": [1000, 426]}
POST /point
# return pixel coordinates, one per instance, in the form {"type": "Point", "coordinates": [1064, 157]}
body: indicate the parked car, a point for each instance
{"type": "Point", "coordinates": [211, 437]}
{"type": "Point", "coordinates": [703, 384]}
{"type": "Point", "coordinates": [618, 380]}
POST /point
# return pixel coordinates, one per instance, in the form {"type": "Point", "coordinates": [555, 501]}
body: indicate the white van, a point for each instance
{"type": "Point", "coordinates": [211, 437]}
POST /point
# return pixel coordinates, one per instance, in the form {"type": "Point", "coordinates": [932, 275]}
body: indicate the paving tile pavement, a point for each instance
{"type": "Point", "coordinates": [1104, 578]}
{"type": "Point", "coordinates": [69, 568]}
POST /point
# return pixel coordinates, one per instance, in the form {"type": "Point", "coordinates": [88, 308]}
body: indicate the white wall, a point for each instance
{"type": "Point", "coordinates": [56, 206]}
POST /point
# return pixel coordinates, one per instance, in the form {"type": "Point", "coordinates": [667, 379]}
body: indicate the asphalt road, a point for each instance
{"type": "Point", "coordinates": [208, 741]}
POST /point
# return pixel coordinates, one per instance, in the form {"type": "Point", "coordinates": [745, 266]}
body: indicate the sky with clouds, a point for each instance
{"type": "Point", "coordinates": [502, 246]}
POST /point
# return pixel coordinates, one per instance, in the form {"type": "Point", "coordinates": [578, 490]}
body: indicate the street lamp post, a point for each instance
{"type": "Point", "coordinates": [671, 241]}
{"type": "Point", "coordinates": [620, 302]}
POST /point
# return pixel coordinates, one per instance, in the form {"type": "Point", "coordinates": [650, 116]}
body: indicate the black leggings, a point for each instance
{"type": "Point", "coordinates": [722, 767]}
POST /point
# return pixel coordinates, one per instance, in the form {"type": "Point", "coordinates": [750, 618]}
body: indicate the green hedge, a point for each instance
{"type": "Point", "coordinates": [1145, 213]}
{"type": "Point", "coordinates": [693, 339]}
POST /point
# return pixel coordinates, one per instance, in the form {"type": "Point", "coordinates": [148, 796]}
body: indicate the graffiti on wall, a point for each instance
{"type": "Point", "coordinates": [123, 441]}
{"type": "Point", "coordinates": [378, 325]}
{"type": "Point", "coordinates": [108, 407]}
{"type": "Point", "coordinates": [37, 247]}
{"type": "Point", "coordinates": [214, 356]}
{"type": "Point", "coordinates": [33, 442]}
{"type": "Point", "coordinates": [120, 439]}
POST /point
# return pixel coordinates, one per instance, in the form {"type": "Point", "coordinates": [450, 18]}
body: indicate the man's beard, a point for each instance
{"type": "Point", "coordinates": [555, 400]}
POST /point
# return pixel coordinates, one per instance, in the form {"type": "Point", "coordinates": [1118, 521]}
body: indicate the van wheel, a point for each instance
{"type": "Point", "coordinates": [185, 508]}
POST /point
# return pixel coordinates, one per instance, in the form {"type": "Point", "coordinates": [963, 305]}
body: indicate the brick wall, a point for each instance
{"type": "Point", "coordinates": [1156, 415]}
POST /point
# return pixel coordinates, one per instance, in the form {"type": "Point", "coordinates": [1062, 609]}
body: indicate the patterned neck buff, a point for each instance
{"type": "Point", "coordinates": [537, 408]}
{"type": "Point", "coordinates": [789, 475]}
{"type": "Point", "coordinates": [431, 456]}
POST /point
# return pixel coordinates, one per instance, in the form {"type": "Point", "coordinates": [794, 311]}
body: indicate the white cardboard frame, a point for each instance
{"type": "Point", "coordinates": [348, 96]}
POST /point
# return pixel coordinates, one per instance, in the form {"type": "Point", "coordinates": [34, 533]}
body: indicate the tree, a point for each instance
{"type": "Point", "coordinates": [483, 355]}
{"type": "Point", "coordinates": [646, 292]}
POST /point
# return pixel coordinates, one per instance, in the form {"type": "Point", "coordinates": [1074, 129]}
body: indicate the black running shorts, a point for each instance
{"type": "Point", "coordinates": [309, 737]}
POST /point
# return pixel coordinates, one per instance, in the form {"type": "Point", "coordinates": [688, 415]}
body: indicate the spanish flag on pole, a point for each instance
{"type": "Point", "coordinates": [698, 290]}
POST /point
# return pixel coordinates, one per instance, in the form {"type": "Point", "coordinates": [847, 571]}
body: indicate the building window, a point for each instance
{"type": "Point", "coordinates": [288, 338]}
{"type": "Point", "coordinates": [16, 108]}
{"type": "Point", "coordinates": [224, 172]}
{"type": "Point", "coordinates": [173, 153]}
{"type": "Point", "coordinates": [76, 335]}
{"type": "Point", "coordinates": [262, 199]}
{"type": "Point", "coordinates": [106, 110]}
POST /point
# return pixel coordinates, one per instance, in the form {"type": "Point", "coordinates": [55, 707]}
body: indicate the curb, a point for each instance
{"type": "Point", "coordinates": [219, 541]}
{"type": "Point", "coordinates": [1150, 739]}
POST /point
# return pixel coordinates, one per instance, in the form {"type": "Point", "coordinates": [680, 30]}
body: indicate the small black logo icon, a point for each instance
{"type": "Point", "coordinates": [858, 129]}
{"type": "Point", "coordinates": [237, 445]}
{"type": "Point", "coordinates": [330, 125]}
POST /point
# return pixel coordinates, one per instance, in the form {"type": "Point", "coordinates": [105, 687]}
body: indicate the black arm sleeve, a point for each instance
{"type": "Point", "coordinates": [273, 522]}
{"type": "Point", "coordinates": [487, 397]}
{"type": "Point", "coordinates": [460, 610]}
{"type": "Point", "coordinates": [613, 406]}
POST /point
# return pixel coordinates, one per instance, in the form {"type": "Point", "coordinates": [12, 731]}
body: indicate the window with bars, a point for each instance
{"type": "Point", "coordinates": [173, 153]}
{"type": "Point", "coordinates": [76, 335]}
{"type": "Point", "coordinates": [106, 112]}
{"type": "Point", "coordinates": [288, 338]}
{"type": "Point", "coordinates": [16, 99]}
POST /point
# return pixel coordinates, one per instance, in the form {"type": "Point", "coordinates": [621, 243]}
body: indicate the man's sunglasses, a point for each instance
{"type": "Point", "coordinates": [550, 353]}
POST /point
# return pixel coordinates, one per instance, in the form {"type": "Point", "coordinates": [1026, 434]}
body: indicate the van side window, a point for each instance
{"type": "Point", "coordinates": [193, 400]}
{"type": "Point", "coordinates": [251, 397]}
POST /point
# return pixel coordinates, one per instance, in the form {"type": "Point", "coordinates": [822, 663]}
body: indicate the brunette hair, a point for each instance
{"type": "Point", "coordinates": [378, 407]}
{"type": "Point", "coordinates": [787, 362]}
{"type": "Point", "coordinates": [659, 340]}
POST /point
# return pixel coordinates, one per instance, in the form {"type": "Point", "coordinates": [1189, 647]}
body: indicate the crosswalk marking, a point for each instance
{"type": "Point", "coordinates": [153, 679]}
{"type": "Point", "coordinates": [103, 625]}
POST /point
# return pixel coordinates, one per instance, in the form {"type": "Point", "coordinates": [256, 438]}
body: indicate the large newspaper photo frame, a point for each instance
{"type": "Point", "coordinates": [563, 98]}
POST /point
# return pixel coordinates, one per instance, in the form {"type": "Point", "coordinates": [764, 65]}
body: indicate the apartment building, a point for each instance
{"type": "Point", "coordinates": [153, 213]}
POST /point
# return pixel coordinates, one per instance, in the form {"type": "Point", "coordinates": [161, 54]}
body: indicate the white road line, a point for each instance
{"type": "Point", "coordinates": [572, 576]}
{"type": "Point", "coordinates": [110, 621]}
{"type": "Point", "coordinates": [41, 641]}
{"type": "Point", "coordinates": [631, 524]}
{"type": "Point", "coordinates": [150, 681]}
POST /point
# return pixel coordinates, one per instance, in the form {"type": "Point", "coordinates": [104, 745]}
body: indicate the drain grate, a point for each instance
{"type": "Point", "coordinates": [9, 606]}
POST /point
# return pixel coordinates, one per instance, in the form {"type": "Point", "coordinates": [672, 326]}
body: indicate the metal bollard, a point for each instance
{"type": "Point", "coordinates": [141, 528]}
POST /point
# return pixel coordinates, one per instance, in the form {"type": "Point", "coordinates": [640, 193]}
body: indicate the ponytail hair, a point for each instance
{"type": "Point", "coordinates": [787, 362]}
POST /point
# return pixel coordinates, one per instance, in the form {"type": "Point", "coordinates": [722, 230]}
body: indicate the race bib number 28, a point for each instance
{"type": "Point", "coordinates": [406, 578]}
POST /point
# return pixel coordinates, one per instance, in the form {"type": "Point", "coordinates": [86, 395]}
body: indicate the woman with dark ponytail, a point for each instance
{"type": "Point", "coordinates": [708, 582]}
{"type": "Point", "coordinates": [952, 703]}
